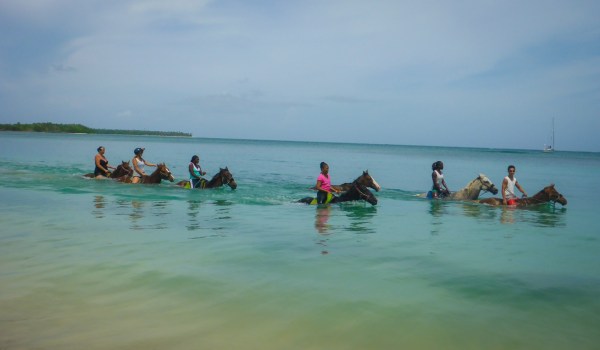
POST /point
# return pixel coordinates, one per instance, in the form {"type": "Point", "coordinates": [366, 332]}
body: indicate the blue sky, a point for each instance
{"type": "Point", "coordinates": [450, 73]}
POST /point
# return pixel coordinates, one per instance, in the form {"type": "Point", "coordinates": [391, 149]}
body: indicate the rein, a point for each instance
{"type": "Point", "coordinates": [361, 193]}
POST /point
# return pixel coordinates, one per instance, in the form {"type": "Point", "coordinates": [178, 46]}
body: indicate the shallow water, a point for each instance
{"type": "Point", "coordinates": [119, 266]}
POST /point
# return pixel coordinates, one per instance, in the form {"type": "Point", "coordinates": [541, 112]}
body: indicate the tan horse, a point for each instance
{"type": "Point", "coordinates": [471, 191]}
{"type": "Point", "coordinates": [548, 194]}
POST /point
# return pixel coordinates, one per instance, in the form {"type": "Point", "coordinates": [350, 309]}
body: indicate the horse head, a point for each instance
{"type": "Point", "coordinates": [554, 195]}
{"type": "Point", "coordinates": [369, 181]}
{"type": "Point", "coordinates": [363, 192]}
{"type": "Point", "coordinates": [126, 167]}
{"type": "Point", "coordinates": [486, 184]}
{"type": "Point", "coordinates": [227, 178]}
{"type": "Point", "coordinates": [164, 172]}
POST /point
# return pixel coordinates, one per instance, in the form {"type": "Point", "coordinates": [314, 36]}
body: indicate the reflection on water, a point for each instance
{"type": "Point", "coordinates": [437, 209]}
{"type": "Point", "coordinates": [540, 216]}
{"type": "Point", "coordinates": [360, 218]}
{"type": "Point", "coordinates": [321, 219]}
{"type": "Point", "coordinates": [223, 209]}
{"type": "Point", "coordinates": [99, 205]}
{"type": "Point", "coordinates": [142, 214]}
{"type": "Point", "coordinates": [192, 213]}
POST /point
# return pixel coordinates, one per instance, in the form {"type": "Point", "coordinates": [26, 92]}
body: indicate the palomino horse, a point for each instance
{"type": "Point", "coordinates": [161, 173]}
{"type": "Point", "coordinates": [365, 179]}
{"type": "Point", "coordinates": [471, 191]}
{"type": "Point", "coordinates": [357, 191]}
{"type": "Point", "coordinates": [124, 169]}
{"type": "Point", "coordinates": [223, 177]}
{"type": "Point", "coordinates": [548, 194]}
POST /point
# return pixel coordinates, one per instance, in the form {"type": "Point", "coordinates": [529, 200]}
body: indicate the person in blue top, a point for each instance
{"type": "Point", "coordinates": [196, 172]}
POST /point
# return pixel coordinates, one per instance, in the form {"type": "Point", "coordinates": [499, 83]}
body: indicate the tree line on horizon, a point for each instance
{"type": "Point", "coordinates": [82, 129]}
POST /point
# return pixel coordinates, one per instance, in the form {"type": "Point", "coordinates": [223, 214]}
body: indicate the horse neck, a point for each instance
{"type": "Point", "coordinates": [120, 171]}
{"type": "Point", "coordinates": [216, 181]}
{"type": "Point", "coordinates": [350, 195]}
{"type": "Point", "coordinates": [153, 178]}
{"type": "Point", "coordinates": [471, 191]}
{"type": "Point", "coordinates": [540, 197]}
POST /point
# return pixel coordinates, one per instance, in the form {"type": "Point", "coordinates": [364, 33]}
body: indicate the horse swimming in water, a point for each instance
{"type": "Point", "coordinates": [365, 179]}
{"type": "Point", "coordinates": [124, 169]}
{"type": "Point", "coordinates": [471, 191]}
{"type": "Point", "coordinates": [547, 194]}
{"type": "Point", "coordinates": [161, 173]}
{"type": "Point", "coordinates": [357, 191]}
{"type": "Point", "coordinates": [223, 177]}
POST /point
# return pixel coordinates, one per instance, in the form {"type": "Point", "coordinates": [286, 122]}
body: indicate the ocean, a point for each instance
{"type": "Point", "coordinates": [97, 264]}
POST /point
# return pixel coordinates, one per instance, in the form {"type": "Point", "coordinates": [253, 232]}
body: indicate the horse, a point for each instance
{"type": "Point", "coordinates": [357, 191]}
{"type": "Point", "coordinates": [469, 192]}
{"type": "Point", "coordinates": [161, 173]}
{"type": "Point", "coordinates": [547, 194]}
{"type": "Point", "coordinates": [223, 177]}
{"type": "Point", "coordinates": [124, 169]}
{"type": "Point", "coordinates": [365, 179]}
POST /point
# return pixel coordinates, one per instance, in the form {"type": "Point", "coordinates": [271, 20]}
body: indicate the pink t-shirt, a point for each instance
{"type": "Point", "coordinates": [325, 182]}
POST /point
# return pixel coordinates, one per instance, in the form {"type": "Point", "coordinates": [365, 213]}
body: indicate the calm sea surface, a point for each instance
{"type": "Point", "coordinates": [102, 265]}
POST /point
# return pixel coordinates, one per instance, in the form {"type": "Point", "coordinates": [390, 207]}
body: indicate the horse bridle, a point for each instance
{"type": "Point", "coordinates": [225, 180]}
{"type": "Point", "coordinates": [481, 188]}
{"type": "Point", "coordinates": [361, 193]}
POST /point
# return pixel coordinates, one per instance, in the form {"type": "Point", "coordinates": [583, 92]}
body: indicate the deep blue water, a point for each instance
{"type": "Point", "coordinates": [115, 265]}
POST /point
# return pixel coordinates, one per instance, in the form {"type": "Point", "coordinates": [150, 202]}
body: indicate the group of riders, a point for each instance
{"type": "Point", "coordinates": [102, 168]}
{"type": "Point", "coordinates": [323, 186]}
{"type": "Point", "coordinates": [440, 189]}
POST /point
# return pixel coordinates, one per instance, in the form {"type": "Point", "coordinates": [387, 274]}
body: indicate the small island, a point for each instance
{"type": "Point", "coordinates": [82, 129]}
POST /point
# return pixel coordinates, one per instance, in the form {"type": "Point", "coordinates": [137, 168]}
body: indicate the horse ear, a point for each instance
{"type": "Point", "coordinates": [551, 185]}
{"type": "Point", "coordinates": [366, 172]}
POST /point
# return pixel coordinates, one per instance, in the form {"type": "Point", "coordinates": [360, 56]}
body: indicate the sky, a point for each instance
{"type": "Point", "coordinates": [491, 74]}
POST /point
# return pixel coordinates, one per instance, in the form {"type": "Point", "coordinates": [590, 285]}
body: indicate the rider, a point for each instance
{"type": "Point", "coordinates": [101, 162]}
{"type": "Point", "coordinates": [138, 165]}
{"type": "Point", "coordinates": [508, 187]}
{"type": "Point", "coordinates": [323, 186]}
{"type": "Point", "coordinates": [195, 172]}
{"type": "Point", "coordinates": [438, 181]}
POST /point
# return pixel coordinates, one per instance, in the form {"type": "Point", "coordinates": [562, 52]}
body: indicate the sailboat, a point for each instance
{"type": "Point", "coordinates": [550, 147]}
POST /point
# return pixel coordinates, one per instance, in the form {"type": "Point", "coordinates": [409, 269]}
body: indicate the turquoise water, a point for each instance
{"type": "Point", "coordinates": [103, 265]}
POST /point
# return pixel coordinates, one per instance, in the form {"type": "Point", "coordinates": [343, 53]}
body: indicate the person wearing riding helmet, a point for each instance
{"type": "Point", "coordinates": [139, 164]}
{"type": "Point", "coordinates": [196, 172]}
{"type": "Point", "coordinates": [439, 188]}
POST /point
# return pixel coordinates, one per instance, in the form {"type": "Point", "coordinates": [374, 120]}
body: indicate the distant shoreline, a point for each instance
{"type": "Point", "coordinates": [82, 129]}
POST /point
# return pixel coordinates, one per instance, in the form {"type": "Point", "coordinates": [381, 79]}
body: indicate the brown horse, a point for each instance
{"type": "Point", "coordinates": [548, 194]}
{"type": "Point", "coordinates": [223, 177]}
{"type": "Point", "coordinates": [161, 173]}
{"type": "Point", "coordinates": [124, 169]}
{"type": "Point", "coordinates": [357, 191]}
{"type": "Point", "coordinates": [365, 179]}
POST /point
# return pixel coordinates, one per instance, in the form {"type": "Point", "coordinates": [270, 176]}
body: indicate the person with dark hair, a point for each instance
{"type": "Point", "coordinates": [508, 187]}
{"type": "Point", "coordinates": [138, 165]}
{"type": "Point", "coordinates": [101, 169]}
{"type": "Point", "coordinates": [196, 172]}
{"type": "Point", "coordinates": [323, 186]}
{"type": "Point", "coordinates": [439, 188]}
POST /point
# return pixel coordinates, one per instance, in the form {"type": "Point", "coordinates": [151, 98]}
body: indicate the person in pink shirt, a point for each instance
{"type": "Point", "coordinates": [324, 185]}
